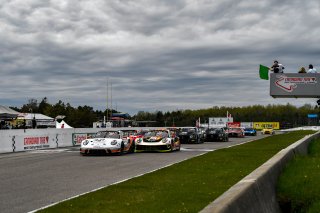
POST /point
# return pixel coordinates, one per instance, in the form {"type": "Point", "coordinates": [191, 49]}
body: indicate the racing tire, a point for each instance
{"type": "Point", "coordinates": [132, 148]}
{"type": "Point", "coordinates": [171, 148]}
{"type": "Point", "coordinates": [198, 140]}
{"type": "Point", "coordinates": [83, 153]}
{"type": "Point", "coordinates": [121, 149]}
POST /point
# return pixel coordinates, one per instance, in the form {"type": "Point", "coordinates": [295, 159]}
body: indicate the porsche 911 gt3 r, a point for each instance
{"type": "Point", "coordinates": [107, 142]}
{"type": "Point", "coordinates": [158, 140]}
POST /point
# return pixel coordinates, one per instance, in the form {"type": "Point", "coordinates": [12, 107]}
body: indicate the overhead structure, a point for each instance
{"type": "Point", "coordinates": [7, 112]}
{"type": "Point", "coordinates": [295, 85]}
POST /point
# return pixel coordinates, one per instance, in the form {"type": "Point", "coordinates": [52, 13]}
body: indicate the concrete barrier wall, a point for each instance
{"type": "Point", "coordinates": [257, 191]}
{"type": "Point", "coordinates": [16, 140]}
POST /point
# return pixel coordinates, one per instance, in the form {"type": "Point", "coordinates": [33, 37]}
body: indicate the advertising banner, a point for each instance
{"type": "Point", "coordinates": [234, 124]}
{"type": "Point", "coordinates": [312, 115]}
{"type": "Point", "coordinates": [263, 125]}
{"type": "Point", "coordinates": [78, 137]}
{"type": "Point", "coordinates": [247, 124]}
{"type": "Point", "coordinates": [36, 142]}
{"type": "Point", "coordinates": [219, 121]}
{"type": "Point", "coordinates": [295, 85]}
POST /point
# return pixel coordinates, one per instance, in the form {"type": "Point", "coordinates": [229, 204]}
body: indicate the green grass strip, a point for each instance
{"type": "Point", "coordinates": [188, 186]}
{"type": "Point", "coordinates": [298, 187]}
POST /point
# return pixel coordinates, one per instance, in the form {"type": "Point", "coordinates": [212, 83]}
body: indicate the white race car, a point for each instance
{"type": "Point", "coordinates": [163, 140]}
{"type": "Point", "coordinates": [107, 142]}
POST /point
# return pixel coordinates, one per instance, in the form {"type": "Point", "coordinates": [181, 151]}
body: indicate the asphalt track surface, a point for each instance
{"type": "Point", "coordinates": [31, 180]}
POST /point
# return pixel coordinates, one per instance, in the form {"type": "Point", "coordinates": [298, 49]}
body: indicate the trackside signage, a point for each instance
{"type": "Point", "coordinates": [219, 121]}
{"type": "Point", "coordinates": [30, 143]}
{"type": "Point", "coordinates": [295, 85]}
{"type": "Point", "coordinates": [264, 125]}
{"type": "Point", "coordinates": [78, 137]}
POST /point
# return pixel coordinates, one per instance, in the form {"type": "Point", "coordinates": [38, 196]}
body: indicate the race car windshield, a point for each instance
{"type": "Point", "coordinates": [112, 135]}
{"type": "Point", "coordinates": [107, 135]}
{"type": "Point", "coordinates": [100, 135]}
{"type": "Point", "coordinates": [162, 134]}
{"type": "Point", "coordinates": [128, 133]}
{"type": "Point", "coordinates": [214, 130]}
{"type": "Point", "coordinates": [188, 130]}
{"type": "Point", "coordinates": [234, 129]}
{"type": "Point", "coordinates": [156, 133]}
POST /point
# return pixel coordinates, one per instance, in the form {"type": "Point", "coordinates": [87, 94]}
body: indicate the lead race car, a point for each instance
{"type": "Point", "coordinates": [107, 142]}
{"type": "Point", "coordinates": [163, 140]}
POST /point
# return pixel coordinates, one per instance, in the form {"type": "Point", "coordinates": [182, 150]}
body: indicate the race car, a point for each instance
{"type": "Point", "coordinates": [216, 134]}
{"type": "Point", "coordinates": [129, 134]}
{"type": "Point", "coordinates": [191, 135]}
{"type": "Point", "coordinates": [236, 132]}
{"type": "Point", "coordinates": [267, 131]}
{"type": "Point", "coordinates": [162, 140]}
{"type": "Point", "coordinates": [250, 131]}
{"type": "Point", "coordinates": [107, 142]}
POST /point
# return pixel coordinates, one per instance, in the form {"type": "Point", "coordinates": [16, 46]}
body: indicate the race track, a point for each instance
{"type": "Point", "coordinates": [31, 180]}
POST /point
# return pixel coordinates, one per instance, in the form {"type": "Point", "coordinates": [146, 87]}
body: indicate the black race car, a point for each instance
{"type": "Point", "coordinates": [191, 135]}
{"type": "Point", "coordinates": [216, 134]}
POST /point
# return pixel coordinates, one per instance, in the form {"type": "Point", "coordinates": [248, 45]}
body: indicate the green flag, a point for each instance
{"type": "Point", "coordinates": [264, 72]}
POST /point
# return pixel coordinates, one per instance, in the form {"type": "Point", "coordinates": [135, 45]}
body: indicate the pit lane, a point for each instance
{"type": "Point", "coordinates": [31, 180]}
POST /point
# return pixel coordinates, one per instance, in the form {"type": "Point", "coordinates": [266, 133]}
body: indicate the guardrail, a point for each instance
{"type": "Point", "coordinates": [257, 191]}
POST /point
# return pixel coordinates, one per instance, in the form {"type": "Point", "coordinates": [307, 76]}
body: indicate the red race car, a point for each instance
{"type": "Point", "coordinates": [236, 132]}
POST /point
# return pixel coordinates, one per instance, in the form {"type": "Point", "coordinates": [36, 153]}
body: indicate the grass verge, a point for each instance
{"type": "Point", "coordinates": [188, 186]}
{"type": "Point", "coordinates": [298, 188]}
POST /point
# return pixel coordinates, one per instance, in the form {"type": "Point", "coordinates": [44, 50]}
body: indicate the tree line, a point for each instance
{"type": "Point", "coordinates": [287, 115]}
{"type": "Point", "coordinates": [84, 116]}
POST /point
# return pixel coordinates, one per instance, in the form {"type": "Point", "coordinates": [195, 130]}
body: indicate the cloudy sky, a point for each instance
{"type": "Point", "coordinates": [159, 55]}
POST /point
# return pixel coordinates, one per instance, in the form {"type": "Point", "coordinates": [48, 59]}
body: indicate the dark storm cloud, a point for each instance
{"type": "Point", "coordinates": [163, 55]}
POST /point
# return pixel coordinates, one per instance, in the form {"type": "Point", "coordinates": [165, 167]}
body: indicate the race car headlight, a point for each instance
{"type": "Point", "coordinates": [139, 140]}
{"type": "Point", "coordinates": [85, 142]}
{"type": "Point", "coordinates": [165, 140]}
{"type": "Point", "coordinates": [191, 136]}
{"type": "Point", "coordinates": [114, 142]}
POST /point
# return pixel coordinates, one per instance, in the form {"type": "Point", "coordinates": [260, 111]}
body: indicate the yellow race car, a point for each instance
{"type": "Point", "coordinates": [267, 131]}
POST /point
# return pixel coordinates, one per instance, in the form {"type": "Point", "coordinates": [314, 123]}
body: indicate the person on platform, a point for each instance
{"type": "Point", "coordinates": [302, 70]}
{"type": "Point", "coordinates": [311, 69]}
{"type": "Point", "coordinates": [276, 67]}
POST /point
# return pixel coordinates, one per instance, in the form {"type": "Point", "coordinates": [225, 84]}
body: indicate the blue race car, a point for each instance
{"type": "Point", "coordinates": [250, 131]}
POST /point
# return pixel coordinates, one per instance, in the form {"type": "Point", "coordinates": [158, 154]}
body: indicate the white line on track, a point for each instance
{"type": "Point", "coordinates": [196, 150]}
{"type": "Point", "coordinates": [48, 151]}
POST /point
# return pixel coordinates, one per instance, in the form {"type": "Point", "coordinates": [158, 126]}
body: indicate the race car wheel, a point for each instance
{"type": "Point", "coordinates": [171, 148]}
{"type": "Point", "coordinates": [132, 148]}
{"type": "Point", "coordinates": [122, 149]}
